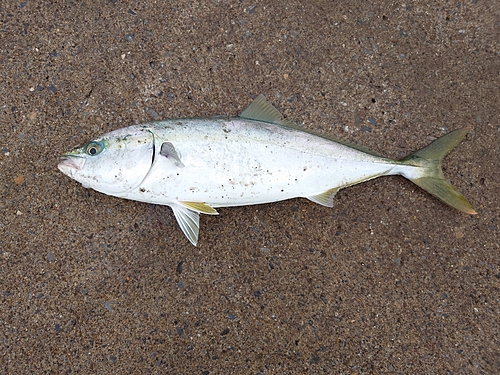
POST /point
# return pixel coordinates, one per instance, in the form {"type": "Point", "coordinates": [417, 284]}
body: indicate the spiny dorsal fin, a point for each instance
{"type": "Point", "coordinates": [261, 110]}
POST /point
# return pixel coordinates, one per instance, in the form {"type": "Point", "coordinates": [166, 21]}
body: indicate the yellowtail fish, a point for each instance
{"type": "Point", "coordinates": [195, 165]}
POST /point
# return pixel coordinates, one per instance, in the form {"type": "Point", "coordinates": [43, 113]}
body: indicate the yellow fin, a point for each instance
{"type": "Point", "coordinates": [261, 110]}
{"type": "Point", "coordinates": [325, 198]}
{"type": "Point", "coordinates": [432, 180]}
{"type": "Point", "coordinates": [200, 207]}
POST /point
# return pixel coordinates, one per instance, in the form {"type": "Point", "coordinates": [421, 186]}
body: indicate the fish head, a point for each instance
{"type": "Point", "coordinates": [114, 163]}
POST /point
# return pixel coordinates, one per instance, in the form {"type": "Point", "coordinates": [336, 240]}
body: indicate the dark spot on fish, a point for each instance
{"type": "Point", "coordinates": [142, 190]}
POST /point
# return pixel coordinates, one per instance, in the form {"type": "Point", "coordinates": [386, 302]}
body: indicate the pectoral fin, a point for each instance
{"type": "Point", "coordinates": [189, 221]}
{"type": "Point", "coordinates": [200, 207]}
{"type": "Point", "coordinates": [325, 198]}
{"type": "Point", "coordinates": [168, 150]}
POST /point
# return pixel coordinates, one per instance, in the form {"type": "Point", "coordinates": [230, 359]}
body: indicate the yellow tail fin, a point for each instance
{"type": "Point", "coordinates": [433, 181]}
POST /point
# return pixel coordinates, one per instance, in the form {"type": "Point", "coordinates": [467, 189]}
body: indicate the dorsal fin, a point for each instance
{"type": "Point", "coordinates": [261, 110]}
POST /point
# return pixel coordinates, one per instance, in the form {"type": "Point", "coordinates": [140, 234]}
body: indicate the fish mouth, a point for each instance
{"type": "Point", "coordinates": [70, 164]}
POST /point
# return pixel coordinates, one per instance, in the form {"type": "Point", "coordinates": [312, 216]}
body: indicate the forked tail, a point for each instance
{"type": "Point", "coordinates": [431, 177]}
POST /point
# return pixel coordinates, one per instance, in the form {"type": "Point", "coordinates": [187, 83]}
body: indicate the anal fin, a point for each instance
{"type": "Point", "coordinates": [325, 198]}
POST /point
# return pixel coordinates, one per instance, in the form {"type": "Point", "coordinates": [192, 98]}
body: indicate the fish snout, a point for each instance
{"type": "Point", "coordinates": [68, 165]}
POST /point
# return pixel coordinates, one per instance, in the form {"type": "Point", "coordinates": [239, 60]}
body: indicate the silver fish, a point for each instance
{"type": "Point", "coordinates": [198, 164]}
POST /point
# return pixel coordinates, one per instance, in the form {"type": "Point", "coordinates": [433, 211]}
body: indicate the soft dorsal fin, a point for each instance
{"type": "Point", "coordinates": [261, 110]}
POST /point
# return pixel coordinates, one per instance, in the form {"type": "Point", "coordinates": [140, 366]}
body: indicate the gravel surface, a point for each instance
{"type": "Point", "coordinates": [388, 281]}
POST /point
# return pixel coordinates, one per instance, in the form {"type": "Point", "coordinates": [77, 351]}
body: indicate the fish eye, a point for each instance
{"type": "Point", "coordinates": [94, 148]}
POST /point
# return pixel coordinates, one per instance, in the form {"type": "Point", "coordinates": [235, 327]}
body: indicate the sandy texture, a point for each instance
{"type": "Point", "coordinates": [390, 280]}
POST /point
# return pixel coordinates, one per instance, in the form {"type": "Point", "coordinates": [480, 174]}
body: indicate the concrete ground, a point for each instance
{"type": "Point", "coordinates": [388, 281]}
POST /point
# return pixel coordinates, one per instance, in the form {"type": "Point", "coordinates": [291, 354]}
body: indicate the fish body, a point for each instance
{"type": "Point", "coordinates": [197, 165]}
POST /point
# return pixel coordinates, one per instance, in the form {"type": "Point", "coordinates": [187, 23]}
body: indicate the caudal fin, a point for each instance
{"type": "Point", "coordinates": [432, 178]}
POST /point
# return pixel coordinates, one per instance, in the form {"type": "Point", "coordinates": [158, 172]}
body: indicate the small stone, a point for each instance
{"type": "Point", "coordinates": [315, 360]}
{"type": "Point", "coordinates": [151, 112]}
{"type": "Point", "coordinates": [179, 331]}
{"type": "Point", "coordinates": [178, 270]}
{"type": "Point", "coordinates": [19, 180]}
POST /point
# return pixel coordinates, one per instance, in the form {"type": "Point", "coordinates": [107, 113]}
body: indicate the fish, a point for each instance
{"type": "Point", "coordinates": [195, 165]}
